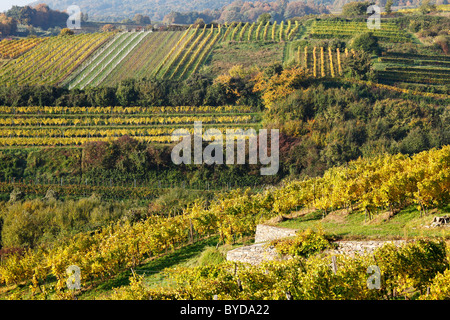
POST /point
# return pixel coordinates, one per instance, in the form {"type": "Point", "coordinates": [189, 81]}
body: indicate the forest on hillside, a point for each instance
{"type": "Point", "coordinates": [224, 9]}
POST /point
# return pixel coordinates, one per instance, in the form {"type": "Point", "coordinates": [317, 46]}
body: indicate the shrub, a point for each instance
{"type": "Point", "coordinates": [366, 42]}
{"type": "Point", "coordinates": [304, 244]}
{"type": "Point", "coordinates": [66, 32]}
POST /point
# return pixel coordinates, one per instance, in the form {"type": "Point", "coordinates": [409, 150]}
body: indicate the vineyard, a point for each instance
{"type": "Point", "coordinates": [61, 126]}
{"type": "Point", "coordinates": [169, 54]}
{"type": "Point", "coordinates": [387, 182]}
{"type": "Point", "coordinates": [249, 32]}
{"type": "Point", "coordinates": [90, 125]}
{"type": "Point", "coordinates": [100, 66]}
{"type": "Point", "coordinates": [52, 61]}
{"type": "Point", "coordinates": [326, 29]}
{"type": "Point", "coordinates": [320, 61]}
{"type": "Point", "coordinates": [89, 60]}
{"type": "Point", "coordinates": [186, 57]}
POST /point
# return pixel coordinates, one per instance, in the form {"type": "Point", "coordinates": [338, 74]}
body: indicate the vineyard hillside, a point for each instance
{"type": "Point", "coordinates": [135, 155]}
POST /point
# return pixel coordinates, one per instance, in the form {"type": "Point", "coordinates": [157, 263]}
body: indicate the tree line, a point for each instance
{"type": "Point", "coordinates": [39, 16]}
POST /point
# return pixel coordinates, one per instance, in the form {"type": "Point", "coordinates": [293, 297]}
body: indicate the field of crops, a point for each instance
{"type": "Point", "coordinates": [61, 126]}
{"type": "Point", "coordinates": [89, 60]}
{"type": "Point", "coordinates": [327, 29]}
{"type": "Point", "coordinates": [187, 56]}
{"type": "Point", "coordinates": [396, 67]}
{"type": "Point", "coordinates": [105, 60]}
{"type": "Point", "coordinates": [11, 49]}
{"type": "Point", "coordinates": [320, 61]}
{"type": "Point", "coordinates": [275, 32]}
{"type": "Point", "coordinates": [52, 61]}
{"type": "Point", "coordinates": [146, 58]}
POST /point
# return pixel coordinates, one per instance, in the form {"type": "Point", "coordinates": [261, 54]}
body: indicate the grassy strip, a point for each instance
{"type": "Point", "coordinates": [340, 224]}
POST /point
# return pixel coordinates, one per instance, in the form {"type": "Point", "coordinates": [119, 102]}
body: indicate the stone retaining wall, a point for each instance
{"type": "Point", "coordinates": [265, 233]}
{"type": "Point", "coordinates": [260, 251]}
{"type": "Point", "coordinates": [254, 254]}
{"type": "Point", "coordinates": [362, 247]}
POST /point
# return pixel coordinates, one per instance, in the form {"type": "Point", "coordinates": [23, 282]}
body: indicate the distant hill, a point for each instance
{"type": "Point", "coordinates": [116, 10]}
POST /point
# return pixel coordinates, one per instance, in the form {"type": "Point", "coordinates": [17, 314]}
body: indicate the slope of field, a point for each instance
{"type": "Point", "coordinates": [219, 48]}
{"type": "Point", "coordinates": [52, 61]}
{"type": "Point", "coordinates": [248, 54]}
{"type": "Point", "coordinates": [106, 61]}
{"type": "Point", "coordinates": [273, 32]}
{"type": "Point", "coordinates": [418, 69]}
{"type": "Point", "coordinates": [145, 59]}
{"type": "Point", "coordinates": [328, 29]}
{"type": "Point", "coordinates": [11, 49]}
{"type": "Point", "coordinates": [320, 61]}
{"type": "Point", "coordinates": [52, 126]}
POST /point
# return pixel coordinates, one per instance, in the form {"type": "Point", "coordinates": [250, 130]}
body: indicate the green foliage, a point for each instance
{"type": "Point", "coordinates": [427, 7]}
{"type": "Point", "coordinates": [32, 222]}
{"type": "Point", "coordinates": [12, 165]}
{"type": "Point", "coordinates": [211, 255]}
{"type": "Point", "coordinates": [416, 141]}
{"type": "Point", "coordinates": [366, 42]}
{"type": "Point", "coordinates": [50, 163]}
{"type": "Point", "coordinates": [311, 278]}
{"type": "Point", "coordinates": [354, 9]}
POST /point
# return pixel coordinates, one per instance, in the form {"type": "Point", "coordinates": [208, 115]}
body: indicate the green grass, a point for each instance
{"type": "Point", "coordinates": [405, 224]}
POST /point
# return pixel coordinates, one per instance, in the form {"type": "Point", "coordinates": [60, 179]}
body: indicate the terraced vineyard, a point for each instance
{"type": "Point", "coordinates": [328, 29]}
{"type": "Point", "coordinates": [52, 61]}
{"type": "Point", "coordinates": [51, 126]}
{"type": "Point", "coordinates": [91, 60]}
{"type": "Point", "coordinates": [413, 68]}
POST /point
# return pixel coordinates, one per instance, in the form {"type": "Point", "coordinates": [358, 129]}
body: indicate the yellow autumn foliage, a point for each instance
{"type": "Point", "coordinates": [279, 85]}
